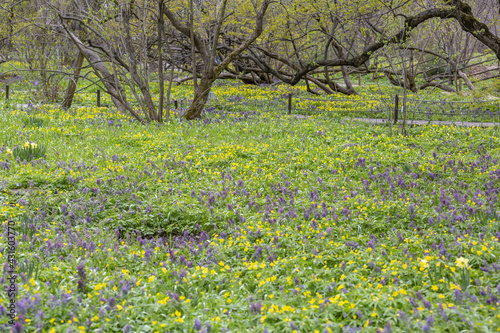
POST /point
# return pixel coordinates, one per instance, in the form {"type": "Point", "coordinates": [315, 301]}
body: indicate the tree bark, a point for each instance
{"type": "Point", "coordinates": [113, 87]}
{"type": "Point", "coordinates": [466, 80]}
{"type": "Point", "coordinates": [200, 98]}
{"type": "Point", "coordinates": [462, 13]}
{"type": "Point", "coordinates": [347, 80]}
{"type": "Point", "coordinates": [169, 89]}
{"type": "Point", "coordinates": [437, 85]}
{"type": "Point", "coordinates": [151, 109]}
{"type": "Point", "coordinates": [160, 60]}
{"type": "Point", "coordinates": [191, 37]}
{"type": "Point", "coordinates": [70, 92]}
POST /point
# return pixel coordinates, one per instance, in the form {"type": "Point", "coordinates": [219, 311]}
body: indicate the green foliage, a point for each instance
{"type": "Point", "coordinates": [33, 121]}
{"type": "Point", "coordinates": [28, 152]}
{"type": "Point", "coordinates": [251, 220]}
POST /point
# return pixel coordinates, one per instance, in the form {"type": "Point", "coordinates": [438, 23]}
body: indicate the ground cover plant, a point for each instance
{"type": "Point", "coordinates": [374, 100]}
{"type": "Point", "coordinates": [248, 220]}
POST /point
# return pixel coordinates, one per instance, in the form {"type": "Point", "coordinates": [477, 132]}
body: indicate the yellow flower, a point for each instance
{"type": "Point", "coordinates": [424, 264]}
{"type": "Point", "coordinates": [9, 151]}
{"type": "Point", "coordinates": [462, 262]}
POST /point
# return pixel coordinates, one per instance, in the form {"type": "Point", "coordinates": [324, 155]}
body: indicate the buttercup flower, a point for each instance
{"type": "Point", "coordinates": [424, 264]}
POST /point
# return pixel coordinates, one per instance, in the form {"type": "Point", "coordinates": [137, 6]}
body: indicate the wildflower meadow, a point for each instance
{"type": "Point", "coordinates": [248, 220]}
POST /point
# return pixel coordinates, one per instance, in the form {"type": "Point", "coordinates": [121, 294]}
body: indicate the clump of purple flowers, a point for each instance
{"type": "Point", "coordinates": [82, 278]}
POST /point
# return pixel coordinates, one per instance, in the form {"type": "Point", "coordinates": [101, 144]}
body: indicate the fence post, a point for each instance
{"type": "Point", "coordinates": [175, 104]}
{"type": "Point", "coordinates": [359, 79]}
{"type": "Point", "coordinates": [396, 102]}
{"type": "Point", "coordinates": [459, 84]}
{"type": "Point", "coordinates": [98, 98]}
{"type": "Point", "coordinates": [7, 91]}
{"type": "Point", "coordinates": [289, 103]}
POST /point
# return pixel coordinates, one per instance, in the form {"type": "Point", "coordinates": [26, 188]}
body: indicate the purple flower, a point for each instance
{"type": "Point", "coordinates": [81, 271]}
{"type": "Point", "coordinates": [18, 327]}
{"type": "Point", "coordinates": [442, 312]}
{"type": "Point", "coordinates": [81, 284]}
{"type": "Point", "coordinates": [197, 324]}
{"type": "Point", "coordinates": [255, 308]}
{"type": "Point", "coordinates": [125, 289]}
{"type": "Point", "coordinates": [428, 324]}
{"type": "Point", "coordinates": [112, 302]}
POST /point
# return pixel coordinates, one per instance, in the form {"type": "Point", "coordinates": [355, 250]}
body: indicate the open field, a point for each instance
{"type": "Point", "coordinates": [249, 220]}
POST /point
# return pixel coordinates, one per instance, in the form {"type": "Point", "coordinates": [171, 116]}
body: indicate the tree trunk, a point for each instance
{"type": "Point", "coordinates": [200, 98]}
{"type": "Point", "coordinates": [347, 80]}
{"type": "Point", "coordinates": [160, 60]}
{"type": "Point", "coordinates": [437, 85]}
{"type": "Point", "coordinates": [191, 37]}
{"type": "Point", "coordinates": [152, 114]}
{"type": "Point", "coordinates": [466, 80]}
{"type": "Point", "coordinates": [337, 87]}
{"type": "Point", "coordinates": [113, 87]}
{"type": "Point", "coordinates": [211, 74]}
{"type": "Point", "coordinates": [410, 79]}
{"type": "Point", "coordinates": [169, 89]}
{"type": "Point", "coordinates": [70, 92]}
{"type": "Point", "coordinates": [320, 85]}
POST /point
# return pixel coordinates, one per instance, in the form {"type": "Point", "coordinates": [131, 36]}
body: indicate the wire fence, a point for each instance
{"type": "Point", "coordinates": [382, 108]}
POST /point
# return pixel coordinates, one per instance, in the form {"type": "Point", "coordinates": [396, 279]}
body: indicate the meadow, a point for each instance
{"type": "Point", "coordinates": [248, 220]}
{"type": "Point", "coordinates": [374, 99]}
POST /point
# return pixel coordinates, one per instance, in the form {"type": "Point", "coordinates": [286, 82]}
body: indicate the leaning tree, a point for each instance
{"type": "Point", "coordinates": [204, 23]}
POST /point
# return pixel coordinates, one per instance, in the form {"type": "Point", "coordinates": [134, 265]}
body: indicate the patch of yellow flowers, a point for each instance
{"type": "Point", "coordinates": [29, 144]}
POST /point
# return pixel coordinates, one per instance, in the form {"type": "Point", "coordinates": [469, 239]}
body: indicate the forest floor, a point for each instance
{"type": "Point", "coordinates": [247, 221]}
